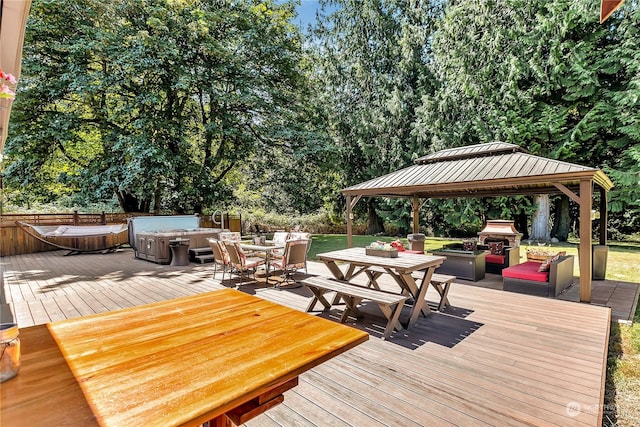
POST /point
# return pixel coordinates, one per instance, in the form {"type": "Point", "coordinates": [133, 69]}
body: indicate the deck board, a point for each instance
{"type": "Point", "coordinates": [492, 358]}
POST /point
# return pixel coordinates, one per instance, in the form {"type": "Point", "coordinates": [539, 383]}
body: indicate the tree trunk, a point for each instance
{"type": "Point", "coordinates": [521, 225]}
{"type": "Point", "coordinates": [156, 203]}
{"type": "Point", "coordinates": [540, 221]}
{"type": "Point", "coordinates": [375, 224]}
{"type": "Point", "coordinates": [562, 219]}
{"type": "Point", "coordinates": [131, 203]}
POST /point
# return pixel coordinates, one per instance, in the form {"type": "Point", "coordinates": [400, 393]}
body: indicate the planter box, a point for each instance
{"type": "Point", "coordinates": [538, 257]}
{"type": "Point", "coordinates": [385, 254]}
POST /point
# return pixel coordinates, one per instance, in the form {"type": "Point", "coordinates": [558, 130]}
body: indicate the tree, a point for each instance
{"type": "Point", "coordinates": [156, 102]}
{"type": "Point", "coordinates": [622, 113]}
{"type": "Point", "coordinates": [543, 75]}
{"type": "Point", "coordinates": [372, 61]}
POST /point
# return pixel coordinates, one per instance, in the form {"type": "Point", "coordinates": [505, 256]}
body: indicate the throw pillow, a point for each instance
{"type": "Point", "coordinates": [496, 248]}
{"type": "Point", "coordinates": [545, 265]}
{"type": "Point", "coordinates": [469, 245]}
{"type": "Point", "coordinates": [223, 250]}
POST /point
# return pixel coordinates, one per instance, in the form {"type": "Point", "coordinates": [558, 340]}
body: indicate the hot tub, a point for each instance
{"type": "Point", "coordinates": [150, 236]}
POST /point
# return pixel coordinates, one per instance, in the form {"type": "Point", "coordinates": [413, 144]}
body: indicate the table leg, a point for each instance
{"type": "Point", "coordinates": [318, 295]}
{"type": "Point", "coordinates": [408, 287]}
{"type": "Point", "coordinates": [443, 290]}
{"type": "Point", "coordinates": [334, 269]}
{"type": "Point", "coordinates": [351, 307]}
{"type": "Point", "coordinates": [267, 265]}
{"type": "Point", "coordinates": [249, 410]}
{"type": "Point", "coordinates": [392, 318]}
{"type": "Point", "coordinates": [373, 279]}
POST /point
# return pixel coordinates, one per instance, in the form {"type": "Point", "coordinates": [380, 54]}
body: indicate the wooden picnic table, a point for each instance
{"type": "Point", "coordinates": [223, 356]}
{"type": "Point", "coordinates": [400, 268]}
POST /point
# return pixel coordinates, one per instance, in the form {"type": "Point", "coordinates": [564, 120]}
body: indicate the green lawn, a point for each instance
{"type": "Point", "coordinates": [622, 394]}
{"type": "Point", "coordinates": [623, 260]}
{"type": "Point", "coordinates": [332, 242]}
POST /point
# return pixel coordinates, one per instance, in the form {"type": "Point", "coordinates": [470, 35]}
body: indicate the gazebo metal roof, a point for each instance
{"type": "Point", "coordinates": [489, 170]}
{"type": "Point", "coordinates": [480, 170]}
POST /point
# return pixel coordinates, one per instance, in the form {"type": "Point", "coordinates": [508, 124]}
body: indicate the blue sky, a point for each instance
{"type": "Point", "coordinates": [307, 12]}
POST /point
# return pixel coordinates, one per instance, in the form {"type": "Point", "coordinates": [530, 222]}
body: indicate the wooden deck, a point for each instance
{"type": "Point", "coordinates": [492, 358]}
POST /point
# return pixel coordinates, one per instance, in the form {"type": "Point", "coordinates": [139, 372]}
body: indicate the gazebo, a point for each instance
{"type": "Point", "coordinates": [487, 170]}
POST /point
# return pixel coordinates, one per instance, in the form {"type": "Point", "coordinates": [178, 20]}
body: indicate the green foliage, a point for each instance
{"type": "Point", "coordinates": [544, 75]}
{"type": "Point", "coordinates": [466, 217]}
{"type": "Point", "coordinates": [156, 102]}
{"type": "Point", "coordinates": [194, 105]}
{"type": "Point", "coordinates": [371, 60]}
{"type": "Point", "coordinates": [320, 222]}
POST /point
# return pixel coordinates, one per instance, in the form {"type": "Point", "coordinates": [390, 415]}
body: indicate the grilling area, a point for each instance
{"type": "Point", "coordinates": [500, 229]}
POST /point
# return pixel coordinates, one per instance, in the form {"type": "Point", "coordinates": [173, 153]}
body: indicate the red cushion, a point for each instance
{"type": "Point", "coordinates": [526, 271]}
{"type": "Point", "coordinates": [494, 259]}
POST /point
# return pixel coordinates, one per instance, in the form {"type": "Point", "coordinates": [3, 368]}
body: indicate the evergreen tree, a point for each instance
{"type": "Point", "coordinates": [544, 75]}
{"type": "Point", "coordinates": [372, 60]}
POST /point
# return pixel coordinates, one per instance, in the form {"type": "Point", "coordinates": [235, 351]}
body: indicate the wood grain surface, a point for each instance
{"type": "Point", "coordinates": [179, 362]}
{"type": "Point", "coordinates": [404, 263]}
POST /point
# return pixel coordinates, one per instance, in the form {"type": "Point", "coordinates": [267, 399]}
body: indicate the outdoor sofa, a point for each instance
{"type": "Point", "coordinates": [527, 278]}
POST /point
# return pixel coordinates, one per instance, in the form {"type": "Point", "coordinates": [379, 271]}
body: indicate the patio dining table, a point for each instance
{"type": "Point", "coordinates": [400, 268]}
{"type": "Point", "coordinates": [222, 356]}
{"type": "Point", "coordinates": [268, 249]}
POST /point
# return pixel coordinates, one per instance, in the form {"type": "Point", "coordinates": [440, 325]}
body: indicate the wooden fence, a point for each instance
{"type": "Point", "coordinates": [15, 241]}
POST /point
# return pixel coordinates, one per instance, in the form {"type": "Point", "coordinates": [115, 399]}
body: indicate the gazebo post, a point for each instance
{"type": "Point", "coordinates": [604, 218]}
{"type": "Point", "coordinates": [349, 226]}
{"type": "Point", "coordinates": [416, 216]}
{"type": "Point", "coordinates": [586, 229]}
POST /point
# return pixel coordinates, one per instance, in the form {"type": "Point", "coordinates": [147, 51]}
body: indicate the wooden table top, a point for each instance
{"type": "Point", "coordinates": [267, 247]}
{"type": "Point", "coordinates": [404, 263]}
{"type": "Point", "coordinates": [176, 362]}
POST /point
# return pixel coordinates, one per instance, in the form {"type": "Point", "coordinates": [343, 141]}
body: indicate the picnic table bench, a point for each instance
{"type": "Point", "coordinates": [390, 303]}
{"type": "Point", "coordinates": [440, 282]}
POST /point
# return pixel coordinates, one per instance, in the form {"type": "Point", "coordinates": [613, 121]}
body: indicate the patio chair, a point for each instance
{"type": "Point", "coordinates": [240, 263]}
{"type": "Point", "coordinates": [294, 258]}
{"type": "Point", "coordinates": [230, 235]}
{"type": "Point", "coordinates": [302, 236]}
{"type": "Point", "coordinates": [279, 237]}
{"type": "Point", "coordinates": [235, 236]}
{"type": "Point", "coordinates": [220, 256]}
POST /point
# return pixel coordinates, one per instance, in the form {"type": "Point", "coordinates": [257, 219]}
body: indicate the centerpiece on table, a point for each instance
{"type": "Point", "coordinates": [382, 249]}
